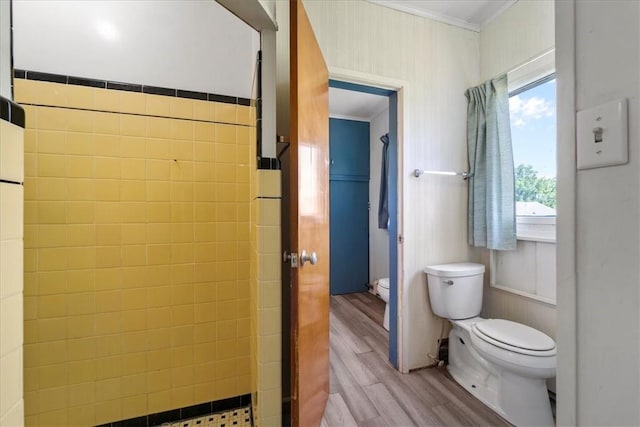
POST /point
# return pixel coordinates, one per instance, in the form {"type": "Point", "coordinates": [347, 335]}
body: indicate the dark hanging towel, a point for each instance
{"type": "Point", "coordinates": [383, 206]}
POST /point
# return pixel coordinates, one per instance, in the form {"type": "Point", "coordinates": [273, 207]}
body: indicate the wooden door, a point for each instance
{"type": "Point", "coordinates": [349, 146]}
{"type": "Point", "coordinates": [309, 212]}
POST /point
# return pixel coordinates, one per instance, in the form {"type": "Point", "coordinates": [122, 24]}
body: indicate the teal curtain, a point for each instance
{"type": "Point", "coordinates": [492, 218]}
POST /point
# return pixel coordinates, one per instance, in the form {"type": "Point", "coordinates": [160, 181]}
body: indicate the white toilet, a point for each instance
{"type": "Point", "coordinates": [383, 292]}
{"type": "Point", "coordinates": [502, 363]}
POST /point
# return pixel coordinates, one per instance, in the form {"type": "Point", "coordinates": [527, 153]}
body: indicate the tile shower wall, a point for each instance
{"type": "Point", "coordinates": [11, 284]}
{"type": "Point", "coordinates": [137, 211]}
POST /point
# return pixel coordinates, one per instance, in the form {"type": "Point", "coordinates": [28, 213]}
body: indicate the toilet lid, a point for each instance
{"type": "Point", "coordinates": [515, 335]}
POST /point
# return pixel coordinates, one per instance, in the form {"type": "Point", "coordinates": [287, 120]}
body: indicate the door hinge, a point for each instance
{"type": "Point", "coordinates": [290, 257]}
{"type": "Point", "coordinates": [400, 239]}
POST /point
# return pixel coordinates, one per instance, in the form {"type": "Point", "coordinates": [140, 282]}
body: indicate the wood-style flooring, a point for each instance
{"type": "Point", "coordinates": [367, 391]}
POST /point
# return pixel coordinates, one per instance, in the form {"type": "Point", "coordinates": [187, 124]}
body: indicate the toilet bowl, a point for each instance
{"type": "Point", "coordinates": [502, 363]}
{"type": "Point", "coordinates": [383, 293]}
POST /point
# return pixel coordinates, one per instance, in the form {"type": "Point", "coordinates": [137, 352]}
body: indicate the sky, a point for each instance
{"type": "Point", "coordinates": [533, 128]}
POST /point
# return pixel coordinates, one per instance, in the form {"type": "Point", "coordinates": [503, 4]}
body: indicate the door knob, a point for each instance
{"type": "Point", "coordinates": [312, 258]}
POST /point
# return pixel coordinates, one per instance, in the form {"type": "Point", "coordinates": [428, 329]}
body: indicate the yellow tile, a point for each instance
{"type": "Point", "coordinates": [51, 236]}
{"type": "Point", "coordinates": [106, 100]}
{"type": "Point", "coordinates": [54, 352]}
{"type": "Point", "coordinates": [158, 233]}
{"type": "Point", "coordinates": [107, 256]}
{"type": "Point", "coordinates": [131, 190]}
{"type": "Point", "coordinates": [77, 143]}
{"type": "Point", "coordinates": [134, 212]}
{"type": "Point", "coordinates": [107, 190]}
{"type": "Point", "coordinates": [204, 192]}
{"type": "Point", "coordinates": [30, 212]}
{"type": "Point", "coordinates": [132, 125]}
{"type": "Point", "coordinates": [205, 312]}
{"type": "Point", "coordinates": [159, 359]}
{"type": "Point", "coordinates": [182, 315]}
{"type": "Point", "coordinates": [158, 339]}
{"type": "Point", "coordinates": [134, 406]}
{"type": "Point", "coordinates": [82, 350]}
{"type": "Point", "coordinates": [80, 212]}
{"type": "Point", "coordinates": [108, 278]}
{"type": "Point", "coordinates": [31, 379]}
{"type": "Point", "coordinates": [159, 212]}
{"type": "Point", "coordinates": [51, 400]}
{"type": "Point", "coordinates": [226, 368]}
{"type": "Point", "coordinates": [134, 345]}
{"type": "Point", "coordinates": [159, 170]}
{"type": "Point", "coordinates": [133, 146]}
{"type": "Point", "coordinates": [181, 108]}
{"type": "Point", "coordinates": [226, 387]}
{"type": "Point", "coordinates": [182, 335]}
{"type": "Point", "coordinates": [159, 317]}
{"type": "Point", "coordinates": [132, 385]}
{"type": "Point", "coordinates": [182, 396]}
{"type": "Point", "coordinates": [82, 303]}
{"type": "Point", "coordinates": [48, 93]}
{"type": "Point", "coordinates": [51, 189]}
{"type": "Point", "coordinates": [80, 326]}
{"type": "Point", "coordinates": [107, 389]}
{"type": "Point", "coordinates": [50, 165]}
{"type": "Point", "coordinates": [52, 119]}
{"type": "Point", "coordinates": [225, 271]}
{"type": "Point", "coordinates": [79, 189]}
{"type": "Point", "coordinates": [107, 167]}
{"type": "Point", "coordinates": [181, 150]}
{"type": "Point", "coordinates": [106, 123]}
{"type": "Point", "coordinates": [108, 323]}
{"type": "Point", "coordinates": [81, 415]}
{"type": "Point", "coordinates": [80, 96]}
{"type": "Point", "coordinates": [160, 297]}
{"type": "Point", "coordinates": [108, 234]}
{"type": "Point", "coordinates": [134, 320]}
{"type": "Point", "coordinates": [182, 129]}
{"type": "Point", "coordinates": [158, 105]}
{"type": "Point", "coordinates": [225, 113]}
{"type": "Point", "coordinates": [204, 151]}
{"type": "Point", "coordinates": [225, 172]}
{"type": "Point", "coordinates": [81, 371]}
{"type": "Point", "coordinates": [182, 277]}
{"type": "Point", "coordinates": [52, 376]}
{"type": "Point", "coordinates": [225, 192]}
{"type": "Point", "coordinates": [108, 345]}
{"type": "Point", "coordinates": [204, 212]}
{"type": "Point", "coordinates": [79, 166]}
{"type": "Point", "coordinates": [203, 110]}
{"type": "Point", "coordinates": [80, 280]}
{"type": "Point", "coordinates": [108, 301]}
{"type": "Point", "coordinates": [30, 188]}
{"type": "Point", "coordinates": [204, 392]}
{"type": "Point", "coordinates": [107, 145]}
{"type": "Point", "coordinates": [159, 401]}
{"type": "Point", "coordinates": [108, 367]}
{"type": "Point", "coordinates": [51, 141]}
{"type": "Point", "coordinates": [205, 252]}
{"type": "Point", "coordinates": [182, 170]}
{"type": "Point", "coordinates": [204, 132]}
{"type": "Point", "coordinates": [158, 254]}
{"type": "Point", "coordinates": [225, 153]}
{"type": "Point", "coordinates": [81, 394]}
{"type": "Point", "coordinates": [182, 232]}
{"type": "Point", "coordinates": [205, 332]}
{"type": "Point", "coordinates": [107, 212]}
{"type": "Point", "coordinates": [132, 234]}
{"type": "Point", "coordinates": [79, 121]}
{"type": "Point", "coordinates": [182, 376]}
{"type": "Point", "coordinates": [182, 253]}
{"type": "Point", "coordinates": [226, 134]}
{"type": "Point", "coordinates": [132, 102]}
{"type": "Point", "coordinates": [158, 380]}
{"type": "Point", "coordinates": [182, 356]}
{"type": "Point", "coordinates": [50, 259]}
{"type": "Point", "coordinates": [204, 352]}
{"type": "Point", "coordinates": [158, 127]}
{"type": "Point", "coordinates": [159, 149]}
{"type": "Point", "coordinates": [107, 411]}
{"type": "Point", "coordinates": [25, 91]}
{"type": "Point", "coordinates": [133, 168]}
{"type": "Point", "coordinates": [158, 191]}
{"type": "Point", "coordinates": [134, 277]}
{"type": "Point", "coordinates": [244, 115]}
{"type": "Point", "coordinates": [134, 363]}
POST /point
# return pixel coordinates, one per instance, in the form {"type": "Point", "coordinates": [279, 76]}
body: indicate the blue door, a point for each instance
{"type": "Point", "coordinates": [349, 206]}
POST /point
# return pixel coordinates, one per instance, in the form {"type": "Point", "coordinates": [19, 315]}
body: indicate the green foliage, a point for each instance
{"type": "Point", "coordinates": [531, 188]}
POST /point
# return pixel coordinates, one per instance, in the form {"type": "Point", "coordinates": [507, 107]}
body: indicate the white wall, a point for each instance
{"type": "Point", "coordinates": [521, 33]}
{"type": "Point", "coordinates": [189, 45]}
{"type": "Point", "coordinates": [437, 63]}
{"type": "Point", "coordinates": [5, 49]}
{"type": "Point", "coordinates": [378, 239]}
{"type": "Point", "coordinates": [607, 56]}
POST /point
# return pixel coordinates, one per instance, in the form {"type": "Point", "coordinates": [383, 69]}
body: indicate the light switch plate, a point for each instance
{"type": "Point", "coordinates": [602, 135]}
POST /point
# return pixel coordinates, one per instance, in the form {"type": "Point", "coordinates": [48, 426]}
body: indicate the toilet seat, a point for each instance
{"type": "Point", "coordinates": [514, 337]}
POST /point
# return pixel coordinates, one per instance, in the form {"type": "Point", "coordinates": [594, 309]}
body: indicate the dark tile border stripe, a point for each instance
{"type": "Point", "coordinates": [11, 112]}
{"type": "Point", "coordinates": [184, 413]}
{"type": "Point", "coordinates": [269, 163]}
{"type": "Point", "coordinates": [130, 87]}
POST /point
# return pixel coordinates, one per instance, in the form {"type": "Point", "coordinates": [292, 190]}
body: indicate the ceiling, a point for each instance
{"type": "Point", "coordinates": [469, 14]}
{"type": "Point", "coordinates": [347, 104]}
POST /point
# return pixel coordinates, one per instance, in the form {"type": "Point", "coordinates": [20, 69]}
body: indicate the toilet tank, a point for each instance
{"type": "Point", "coordinates": [455, 290]}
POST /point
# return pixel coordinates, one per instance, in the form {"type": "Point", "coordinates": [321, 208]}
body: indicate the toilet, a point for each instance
{"type": "Point", "coordinates": [502, 363]}
{"type": "Point", "coordinates": [383, 293]}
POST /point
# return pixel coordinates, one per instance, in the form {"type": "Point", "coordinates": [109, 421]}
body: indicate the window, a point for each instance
{"type": "Point", "coordinates": [532, 112]}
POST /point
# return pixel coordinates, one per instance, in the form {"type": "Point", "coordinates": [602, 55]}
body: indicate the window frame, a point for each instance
{"type": "Point", "coordinates": [533, 73]}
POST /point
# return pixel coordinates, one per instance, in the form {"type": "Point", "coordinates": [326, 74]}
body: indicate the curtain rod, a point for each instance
{"type": "Point", "coordinates": [464, 175]}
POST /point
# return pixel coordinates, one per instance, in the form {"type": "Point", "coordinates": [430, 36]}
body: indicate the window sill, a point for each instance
{"type": "Point", "coordinates": [536, 229]}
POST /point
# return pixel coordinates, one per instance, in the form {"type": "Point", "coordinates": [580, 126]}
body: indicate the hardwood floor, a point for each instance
{"type": "Point", "coordinates": [367, 391]}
